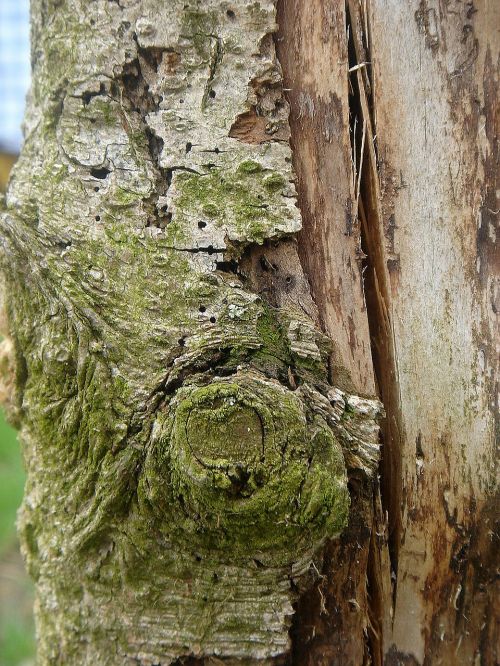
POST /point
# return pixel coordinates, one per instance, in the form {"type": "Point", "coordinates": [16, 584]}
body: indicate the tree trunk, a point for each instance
{"type": "Point", "coordinates": [233, 228]}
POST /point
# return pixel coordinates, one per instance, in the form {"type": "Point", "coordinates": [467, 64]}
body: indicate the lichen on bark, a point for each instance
{"type": "Point", "coordinates": [186, 453]}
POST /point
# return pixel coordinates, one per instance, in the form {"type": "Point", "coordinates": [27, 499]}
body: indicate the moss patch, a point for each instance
{"type": "Point", "coordinates": [247, 203]}
{"type": "Point", "coordinates": [255, 477]}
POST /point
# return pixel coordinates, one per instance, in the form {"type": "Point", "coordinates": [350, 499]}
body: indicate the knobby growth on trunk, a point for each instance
{"type": "Point", "coordinates": [220, 249]}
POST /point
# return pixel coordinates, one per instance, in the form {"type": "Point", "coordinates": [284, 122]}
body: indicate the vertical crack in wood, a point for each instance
{"type": "Point", "coordinates": [377, 260]}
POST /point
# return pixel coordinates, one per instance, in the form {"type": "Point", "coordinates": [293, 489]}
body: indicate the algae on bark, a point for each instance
{"type": "Point", "coordinates": [186, 453]}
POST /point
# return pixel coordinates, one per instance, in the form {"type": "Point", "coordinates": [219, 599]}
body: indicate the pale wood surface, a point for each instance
{"type": "Point", "coordinates": [435, 72]}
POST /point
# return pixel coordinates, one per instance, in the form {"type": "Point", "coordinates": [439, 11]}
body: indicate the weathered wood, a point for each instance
{"type": "Point", "coordinates": [187, 321]}
{"type": "Point", "coordinates": [332, 622]}
{"type": "Point", "coordinates": [435, 79]}
{"type": "Point", "coordinates": [312, 48]}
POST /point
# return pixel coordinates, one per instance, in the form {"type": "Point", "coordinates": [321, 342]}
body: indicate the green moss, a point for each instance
{"type": "Point", "coordinates": [59, 41]}
{"type": "Point", "coordinates": [324, 492]}
{"type": "Point", "coordinates": [274, 341]}
{"type": "Point", "coordinates": [254, 478]}
{"type": "Point", "coordinates": [247, 202]}
{"type": "Point", "coordinates": [199, 26]}
{"type": "Point", "coordinates": [210, 209]}
{"type": "Point", "coordinates": [105, 110]}
{"type": "Point", "coordinates": [309, 368]}
{"type": "Point", "coordinates": [250, 166]}
{"type": "Point", "coordinates": [274, 182]}
{"type": "Point", "coordinates": [124, 197]}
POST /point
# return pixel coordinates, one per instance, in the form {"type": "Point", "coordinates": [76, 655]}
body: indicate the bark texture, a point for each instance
{"type": "Point", "coordinates": [208, 256]}
{"type": "Point", "coordinates": [187, 454]}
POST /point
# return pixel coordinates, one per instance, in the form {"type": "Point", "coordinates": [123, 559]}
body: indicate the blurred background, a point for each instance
{"type": "Point", "coordinates": [16, 593]}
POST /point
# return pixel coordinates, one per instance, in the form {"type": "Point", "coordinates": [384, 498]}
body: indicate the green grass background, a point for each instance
{"type": "Point", "coordinates": [16, 594]}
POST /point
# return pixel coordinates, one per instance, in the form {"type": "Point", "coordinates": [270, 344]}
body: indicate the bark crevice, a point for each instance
{"type": "Point", "coordinates": [377, 258]}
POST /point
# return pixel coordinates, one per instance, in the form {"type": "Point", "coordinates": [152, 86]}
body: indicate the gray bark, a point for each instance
{"type": "Point", "coordinates": [187, 455]}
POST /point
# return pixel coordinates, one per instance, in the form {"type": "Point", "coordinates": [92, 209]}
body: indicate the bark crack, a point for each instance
{"type": "Point", "coordinates": [377, 254]}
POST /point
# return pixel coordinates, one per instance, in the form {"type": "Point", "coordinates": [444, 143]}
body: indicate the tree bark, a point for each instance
{"type": "Point", "coordinates": [233, 228]}
{"type": "Point", "coordinates": [187, 456]}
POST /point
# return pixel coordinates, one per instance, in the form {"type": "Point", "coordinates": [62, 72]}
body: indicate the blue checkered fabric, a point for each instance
{"type": "Point", "coordinates": [14, 71]}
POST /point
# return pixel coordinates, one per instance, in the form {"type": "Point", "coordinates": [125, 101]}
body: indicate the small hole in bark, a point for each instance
{"type": "Point", "coordinates": [97, 218]}
{"type": "Point", "coordinates": [215, 578]}
{"type": "Point", "coordinates": [198, 558]}
{"type": "Point", "coordinates": [212, 94]}
{"type": "Point", "coordinates": [96, 189]}
{"type": "Point", "coordinates": [182, 343]}
{"type": "Point", "coordinates": [212, 320]}
{"type": "Point", "coordinates": [288, 279]}
{"type": "Point", "coordinates": [100, 173]}
{"type": "Point", "coordinates": [258, 564]}
{"type": "Point", "coordinates": [189, 145]}
{"type": "Point", "coordinates": [227, 266]}
{"type": "Point", "coordinates": [201, 224]}
{"type": "Point", "coordinates": [210, 250]}
{"type": "Point", "coordinates": [230, 14]}
{"type": "Point", "coordinates": [87, 96]}
{"type": "Point", "coordinates": [181, 101]}
{"type": "Point", "coordinates": [216, 149]}
{"type": "Point", "coordinates": [202, 308]}
{"type": "Point", "coordinates": [92, 21]}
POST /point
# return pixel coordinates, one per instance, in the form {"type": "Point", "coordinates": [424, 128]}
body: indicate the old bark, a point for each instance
{"type": "Point", "coordinates": [186, 451]}
{"type": "Point", "coordinates": [219, 235]}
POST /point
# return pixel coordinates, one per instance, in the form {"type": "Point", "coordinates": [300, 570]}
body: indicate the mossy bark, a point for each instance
{"type": "Point", "coordinates": [187, 451]}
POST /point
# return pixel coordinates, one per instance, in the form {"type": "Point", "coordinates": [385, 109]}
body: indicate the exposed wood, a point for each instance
{"type": "Point", "coordinates": [312, 49]}
{"type": "Point", "coordinates": [332, 624]}
{"type": "Point", "coordinates": [435, 79]}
